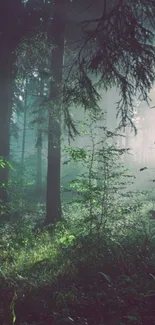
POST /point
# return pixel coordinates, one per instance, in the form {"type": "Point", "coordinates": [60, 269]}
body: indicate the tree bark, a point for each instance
{"type": "Point", "coordinates": [24, 129]}
{"type": "Point", "coordinates": [6, 66]}
{"type": "Point", "coordinates": [24, 140]}
{"type": "Point", "coordinates": [39, 143]}
{"type": "Point", "coordinates": [57, 35]}
{"type": "Point", "coordinates": [10, 35]}
{"type": "Point", "coordinates": [39, 160]}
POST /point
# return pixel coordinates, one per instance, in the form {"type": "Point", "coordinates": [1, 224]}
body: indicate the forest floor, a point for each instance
{"type": "Point", "coordinates": [71, 276]}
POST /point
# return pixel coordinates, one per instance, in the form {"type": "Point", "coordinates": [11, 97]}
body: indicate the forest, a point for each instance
{"type": "Point", "coordinates": [77, 162]}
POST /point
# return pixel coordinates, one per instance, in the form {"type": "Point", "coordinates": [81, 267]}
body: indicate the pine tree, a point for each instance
{"type": "Point", "coordinates": [57, 35]}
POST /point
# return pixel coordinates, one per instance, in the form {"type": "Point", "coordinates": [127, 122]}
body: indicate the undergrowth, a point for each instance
{"type": "Point", "coordinates": [67, 275]}
{"type": "Point", "coordinates": [97, 266]}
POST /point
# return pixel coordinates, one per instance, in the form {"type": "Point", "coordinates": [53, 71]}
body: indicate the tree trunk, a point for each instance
{"type": "Point", "coordinates": [102, 137]}
{"type": "Point", "coordinates": [39, 143]}
{"type": "Point", "coordinates": [56, 34]}
{"type": "Point", "coordinates": [8, 41]}
{"type": "Point", "coordinates": [5, 115]}
{"type": "Point", "coordinates": [39, 160]}
{"type": "Point", "coordinates": [24, 140]}
{"type": "Point", "coordinates": [24, 131]}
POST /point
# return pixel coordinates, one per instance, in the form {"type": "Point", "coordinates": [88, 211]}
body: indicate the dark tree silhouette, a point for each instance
{"type": "Point", "coordinates": [56, 34]}
{"type": "Point", "coordinates": [18, 20]}
{"type": "Point", "coordinates": [117, 47]}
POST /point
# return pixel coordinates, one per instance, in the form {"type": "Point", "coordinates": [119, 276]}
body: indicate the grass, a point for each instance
{"type": "Point", "coordinates": [71, 276]}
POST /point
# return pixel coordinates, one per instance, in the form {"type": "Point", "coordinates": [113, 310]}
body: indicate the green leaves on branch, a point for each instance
{"type": "Point", "coordinates": [4, 163]}
{"type": "Point", "coordinates": [76, 154]}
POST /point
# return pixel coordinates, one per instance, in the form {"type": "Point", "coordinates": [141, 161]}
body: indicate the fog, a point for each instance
{"type": "Point", "coordinates": [142, 145]}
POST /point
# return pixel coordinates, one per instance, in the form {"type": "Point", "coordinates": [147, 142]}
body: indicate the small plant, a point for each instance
{"type": "Point", "coordinates": [103, 180]}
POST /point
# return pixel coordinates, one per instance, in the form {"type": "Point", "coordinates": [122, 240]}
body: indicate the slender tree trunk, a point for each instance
{"type": "Point", "coordinates": [39, 160]}
{"type": "Point", "coordinates": [24, 140]}
{"type": "Point", "coordinates": [57, 35]}
{"type": "Point", "coordinates": [102, 136]}
{"type": "Point", "coordinates": [24, 130]}
{"type": "Point", "coordinates": [39, 143]}
{"type": "Point", "coordinates": [127, 145]}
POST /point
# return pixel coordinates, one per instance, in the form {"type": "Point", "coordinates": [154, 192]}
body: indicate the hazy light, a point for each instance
{"type": "Point", "coordinates": [35, 74]}
{"type": "Point", "coordinates": [14, 117]}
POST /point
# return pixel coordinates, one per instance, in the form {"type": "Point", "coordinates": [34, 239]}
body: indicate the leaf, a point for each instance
{"type": "Point", "coordinates": [107, 277]}
{"type": "Point", "coordinates": [71, 320]}
{"type": "Point", "coordinates": [152, 276]}
{"type": "Point", "coordinates": [12, 309]}
{"type": "Point", "coordinates": [141, 169]}
{"type": "Point", "coordinates": [10, 166]}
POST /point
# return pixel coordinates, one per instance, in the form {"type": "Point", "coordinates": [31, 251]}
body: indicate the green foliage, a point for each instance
{"type": "Point", "coordinates": [5, 163]}
{"type": "Point", "coordinates": [76, 154]}
{"type": "Point", "coordinates": [22, 189]}
{"type": "Point", "coordinates": [100, 256]}
{"type": "Point", "coordinates": [103, 179]}
{"type": "Point", "coordinates": [88, 279]}
{"type": "Point", "coordinates": [2, 163]}
{"type": "Point", "coordinates": [97, 266]}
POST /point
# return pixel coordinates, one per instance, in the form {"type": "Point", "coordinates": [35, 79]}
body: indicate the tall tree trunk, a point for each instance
{"type": "Point", "coordinates": [101, 137]}
{"type": "Point", "coordinates": [24, 130]}
{"type": "Point", "coordinates": [39, 160]}
{"type": "Point", "coordinates": [39, 143]}
{"type": "Point", "coordinates": [127, 145]}
{"type": "Point", "coordinates": [9, 38]}
{"type": "Point", "coordinates": [5, 115]}
{"type": "Point", "coordinates": [24, 140]}
{"type": "Point", "coordinates": [57, 35]}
